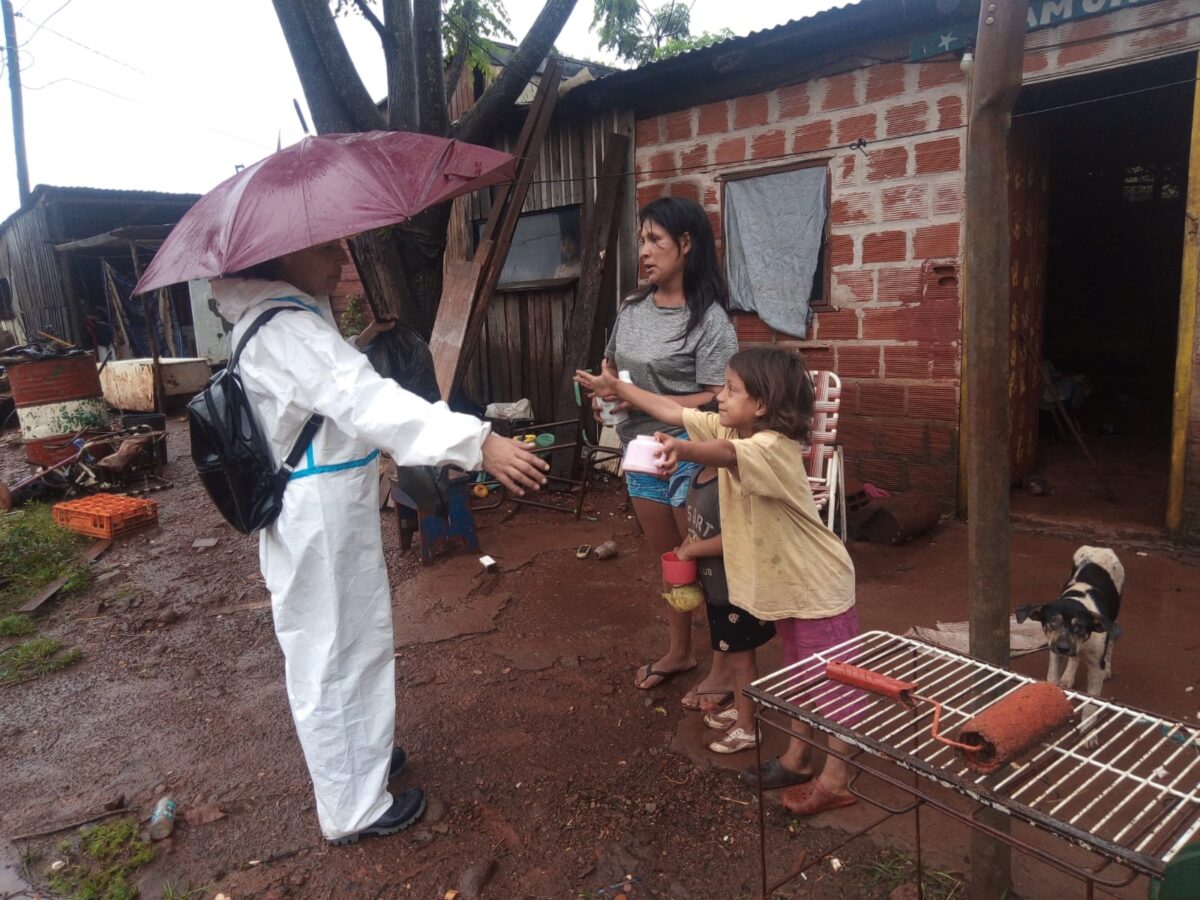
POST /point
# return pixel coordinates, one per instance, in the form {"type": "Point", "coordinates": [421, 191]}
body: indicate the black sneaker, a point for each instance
{"type": "Point", "coordinates": [399, 761]}
{"type": "Point", "coordinates": [406, 809]}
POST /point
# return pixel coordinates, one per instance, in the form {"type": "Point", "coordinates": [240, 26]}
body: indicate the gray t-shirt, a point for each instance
{"type": "Point", "coordinates": [646, 342]}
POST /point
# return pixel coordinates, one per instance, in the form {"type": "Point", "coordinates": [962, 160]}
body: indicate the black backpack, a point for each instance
{"type": "Point", "coordinates": [231, 453]}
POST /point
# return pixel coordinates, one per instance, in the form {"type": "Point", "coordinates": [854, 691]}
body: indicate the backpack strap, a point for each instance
{"type": "Point", "coordinates": [309, 431]}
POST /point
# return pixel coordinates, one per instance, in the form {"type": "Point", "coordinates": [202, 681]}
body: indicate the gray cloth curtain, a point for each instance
{"type": "Point", "coordinates": [773, 230]}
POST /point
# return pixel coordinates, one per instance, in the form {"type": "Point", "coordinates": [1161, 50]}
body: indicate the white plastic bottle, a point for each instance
{"type": "Point", "coordinates": [606, 407]}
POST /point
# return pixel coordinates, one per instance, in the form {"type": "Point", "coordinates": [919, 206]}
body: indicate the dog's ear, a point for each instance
{"type": "Point", "coordinates": [1029, 611]}
{"type": "Point", "coordinates": [1100, 623]}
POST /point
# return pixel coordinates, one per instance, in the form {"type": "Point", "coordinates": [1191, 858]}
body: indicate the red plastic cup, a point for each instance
{"type": "Point", "coordinates": [676, 570]}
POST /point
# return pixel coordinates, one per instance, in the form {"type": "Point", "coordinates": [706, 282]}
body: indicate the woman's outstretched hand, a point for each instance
{"type": "Point", "coordinates": [512, 465]}
{"type": "Point", "coordinates": [603, 386]}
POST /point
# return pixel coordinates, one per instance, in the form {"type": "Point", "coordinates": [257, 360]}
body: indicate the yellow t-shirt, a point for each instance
{"type": "Point", "coordinates": [781, 561]}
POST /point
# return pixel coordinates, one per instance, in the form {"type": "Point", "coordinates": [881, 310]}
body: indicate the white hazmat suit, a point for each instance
{"type": "Point", "coordinates": [322, 559]}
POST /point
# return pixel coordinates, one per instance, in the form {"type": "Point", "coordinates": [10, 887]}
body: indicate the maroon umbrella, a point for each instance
{"type": "Point", "coordinates": [321, 189]}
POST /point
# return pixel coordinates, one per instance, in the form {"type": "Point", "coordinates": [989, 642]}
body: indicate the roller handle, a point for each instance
{"type": "Point", "coordinates": [866, 680]}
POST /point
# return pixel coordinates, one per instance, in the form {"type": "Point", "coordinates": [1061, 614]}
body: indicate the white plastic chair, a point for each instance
{"type": "Point", "coordinates": [823, 455]}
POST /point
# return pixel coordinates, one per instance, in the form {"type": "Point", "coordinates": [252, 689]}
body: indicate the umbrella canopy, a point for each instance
{"type": "Point", "coordinates": [322, 189]}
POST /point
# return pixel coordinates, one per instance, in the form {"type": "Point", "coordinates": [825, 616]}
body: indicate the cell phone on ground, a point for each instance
{"type": "Point", "coordinates": [583, 551]}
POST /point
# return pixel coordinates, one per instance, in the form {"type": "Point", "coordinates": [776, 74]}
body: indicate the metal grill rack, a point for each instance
{"type": "Point", "coordinates": [1121, 783]}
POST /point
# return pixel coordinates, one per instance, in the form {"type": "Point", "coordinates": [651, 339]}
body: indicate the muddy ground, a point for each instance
{"type": "Point", "coordinates": [546, 768]}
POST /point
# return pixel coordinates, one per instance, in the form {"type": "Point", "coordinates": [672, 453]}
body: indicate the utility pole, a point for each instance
{"type": "Point", "coordinates": [14, 87]}
{"type": "Point", "coordinates": [999, 49]}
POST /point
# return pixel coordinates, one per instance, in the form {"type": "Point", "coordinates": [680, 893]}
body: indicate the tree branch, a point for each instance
{"type": "Point", "coordinates": [459, 62]}
{"type": "Point", "coordinates": [369, 15]}
{"type": "Point", "coordinates": [352, 93]}
{"type": "Point", "coordinates": [431, 73]}
{"type": "Point", "coordinates": [328, 113]}
{"type": "Point", "coordinates": [483, 119]}
{"type": "Point", "coordinates": [402, 78]}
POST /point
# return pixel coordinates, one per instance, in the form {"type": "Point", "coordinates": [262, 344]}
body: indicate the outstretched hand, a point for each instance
{"type": "Point", "coordinates": [670, 459]}
{"type": "Point", "coordinates": [602, 385]}
{"type": "Point", "coordinates": [512, 465]}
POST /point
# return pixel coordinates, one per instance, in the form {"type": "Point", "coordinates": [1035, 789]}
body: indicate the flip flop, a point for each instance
{"type": "Point", "coordinates": [725, 698]}
{"type": "Point", "coordinates": [663, 677]}
{"type": "Point", "coordinates": [774, 775]}
{"type": "Point", "coordinates": [810, 799]}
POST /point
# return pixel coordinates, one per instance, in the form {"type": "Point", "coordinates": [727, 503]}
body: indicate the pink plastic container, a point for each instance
{"type": "Point", "coordinates": [643, 455]}
{"type": "Point", "coordinates": [676, 570]}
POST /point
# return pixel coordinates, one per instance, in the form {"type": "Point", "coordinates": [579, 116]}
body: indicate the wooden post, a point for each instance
{"type": "Point", "coordinates": [997, 80]}
{"type": "Point", "coordinates": [12, 57]}
{"type": "Point", "coordinates": [160, 393]}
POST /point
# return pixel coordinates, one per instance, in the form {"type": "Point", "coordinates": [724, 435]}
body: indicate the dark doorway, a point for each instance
{"type": "Point", "coordinates": [1113, 148]}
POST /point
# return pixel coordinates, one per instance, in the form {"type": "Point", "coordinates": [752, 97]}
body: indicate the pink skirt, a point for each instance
{"type": "Point", "coordinates": [803, 638]}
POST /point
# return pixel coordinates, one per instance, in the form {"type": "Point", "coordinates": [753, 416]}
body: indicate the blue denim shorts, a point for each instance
{"type": "Point", "coordinates": [671, 491]}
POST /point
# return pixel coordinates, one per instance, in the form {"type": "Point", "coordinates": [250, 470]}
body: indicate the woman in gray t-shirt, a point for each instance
{"type": "Point", "coordinates": [675, 339]}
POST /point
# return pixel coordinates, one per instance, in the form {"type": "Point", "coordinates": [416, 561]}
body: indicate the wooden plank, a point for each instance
{"type": "Point", "coordinates": [33, 604]}
{"type": "Point", "coordinates": [594, 256]}
{"type": "Point", "coordinates": [459, 285]}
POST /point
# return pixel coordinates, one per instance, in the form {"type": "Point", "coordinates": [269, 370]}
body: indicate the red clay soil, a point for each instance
{"type": "Point", "coordinates": [550, 774]}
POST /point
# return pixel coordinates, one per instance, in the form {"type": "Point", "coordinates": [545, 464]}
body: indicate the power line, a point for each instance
{"type": "Point", "coordinates": [84, 46]}
{"type": "Point", "coordinates": [42, 24]}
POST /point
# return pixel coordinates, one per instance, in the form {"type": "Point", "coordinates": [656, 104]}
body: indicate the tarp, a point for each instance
{"type": "Point", "coordinates": [773, 230]}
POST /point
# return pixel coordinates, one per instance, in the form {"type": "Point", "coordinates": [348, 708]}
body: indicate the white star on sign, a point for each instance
{"type": "Point", "coordinates": [946, 40]}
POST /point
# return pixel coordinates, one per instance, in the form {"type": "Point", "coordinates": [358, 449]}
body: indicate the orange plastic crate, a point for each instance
{"type": "Point", "coordinates": [106, 515]}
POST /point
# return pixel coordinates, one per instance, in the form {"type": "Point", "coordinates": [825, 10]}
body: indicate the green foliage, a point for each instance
{"type": "Point", "coordinates": [101, 863]}
{"type": "Point", "coordinates": [892, 869]}
{"type": "Point", "coordinates": [475, 22]}
{"type": "Point", "coordinates": [354, 318]}
{"type": "Point", "coordinates": [33, 552]}
{"type": "Point", "coordinates": [640, 35]}
{"type": "Point", "coordinates": [16, 626]}
{"type": "Point", "coordinates": [34, 657]}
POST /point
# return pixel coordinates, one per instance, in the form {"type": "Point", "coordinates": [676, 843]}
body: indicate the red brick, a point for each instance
{"type": "Point", "coordinates": [647, 132]}
{"type": "Point", "coordinates": [885, 246]}
{"type": "Point", "coordinates": [899, 284]}
{"type": "Point", "coordinates": [941, 155]}
{"type": "Point", "coordinates": [817, 359]}
{"type": "Point", "coordinates": [694, 158]}
{"type": "Point", "coordinates": [910, 201]}
{"type": "Point", "coordinates": [943, 441]}
{"type": "Point", "coordinates": [905, 439]}
{"type": "Point", "coordinates": [837, 325]}
{"type": "Point", "coordinates": [854, 361]}
{"type": "Point", "coordinates": [882, 473]}
{"type": "Point", "coordinates": [750, 112]}
{"type": "Point", "coordinates": [841, 250]}
{"type": "Point", "coordinates": [851, 128]}
{"type": "Point", "coordinates": [861, 285]}
{"type": "Point", "coordinates": [841, 91]}
{"type": "Point", "coordinates": [714, 220]}
{"type": "Point", "coordinates": [889, 324]}
{"type": "Point", "coordinates": [812, 136]}
{"type": "Point", "coordinates": [938, 73]}
{"type": "Point", "coordinates": [851, 209]}
{"type": "Point", "coordinates": [769, 145]}
{"type": "Point", "coordinates": [933, 402]}
{"type": "Point", "coordinates": [939, 280]}
{"type": "Point", "coordinates": [648, 192]}
{"type": "Point", "coordinates": [947, 199]}
{"type": "Point", "coordinates": [939, 482]}
{"type": "Point", "coordinates": [689, 190]}
{"type": "Point", "coordinates": [845, 169]}
{"type": "Point", "coordinates": [1035, 61]}
{"type": "Point", "coordinates": [793, 101]}
{"type": "Point", "coordinates": [1158, 12]}
{"type": "Point", "coordinates": [660, 165]}
{"type": "Point", "coordinates": [712, 197]}
{"type": "Point", "coordinates": [934, 241]}
{"type": "Point", "coordinates": [936, 321]}
{"type": "Point", "coordinates": [922, 362]}
{"type": "Point", "coordinates": [885, 81]}
{"type": "Point", "coordinates": [731, 150]}
{"type": "Point", "coordinates": [678, 125]}
{"type": "Point", "coordinates": [751, 329]}
{"type": "Point", "coordinates": [857, 435]}
{"type": "Point", "coordinates": [891, 162]}
{"type": "Point", "coordinates": [950, 112]}
{"type": "Point", "coordinates": [1077, 53]}
{"type": "Point", "coordinates": [879, 398]}
{"type": "Point", "coordinates": [714, 118]}
{"type": "Point", "coordinates": [908, 118]}
{"type": "Point", "coordinates": [1159, 37]}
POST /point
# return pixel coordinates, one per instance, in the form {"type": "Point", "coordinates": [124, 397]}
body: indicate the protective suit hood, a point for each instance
{"type": "Point", "coordinates": [235, 296]}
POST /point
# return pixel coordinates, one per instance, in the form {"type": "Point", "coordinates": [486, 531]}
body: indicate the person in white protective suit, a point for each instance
{"type": "Point", "coordinates": [322, 559]}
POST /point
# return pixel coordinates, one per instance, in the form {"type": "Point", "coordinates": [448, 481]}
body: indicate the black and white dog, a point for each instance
{"type": "Point", "coordinates": [1082, 622]}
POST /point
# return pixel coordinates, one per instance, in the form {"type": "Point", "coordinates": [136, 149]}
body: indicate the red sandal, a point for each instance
{"type": "Point", "coordinates": [812, 798]}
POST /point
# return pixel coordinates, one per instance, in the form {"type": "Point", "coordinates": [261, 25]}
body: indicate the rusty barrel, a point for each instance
{"type": "Point", "coordinates": [56, 398]}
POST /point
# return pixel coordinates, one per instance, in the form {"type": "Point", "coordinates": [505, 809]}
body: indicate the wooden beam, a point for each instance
{"type": "Point", "coordinates": [459, 285]}
{"type": "Point", "coordinates": [1185, 342]}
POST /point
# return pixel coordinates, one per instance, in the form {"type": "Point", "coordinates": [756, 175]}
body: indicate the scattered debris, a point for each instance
{"type": "Point", "coordinates": [162, 820]}
{"type": "Point", "coordinates": [489, 565]}
{"type": "Point", "coordinates": [476, 877]}
{"type": "Point", "coordinates": [835, 864]}
{"type": "Point", "coordinates": [205, 543]}
{"type": "Point", "coordinates": [607, 550]}
{"type": "Point", "coordinates": [1036, 485]}
{"type": "Point", "coordinates": [205, 814]}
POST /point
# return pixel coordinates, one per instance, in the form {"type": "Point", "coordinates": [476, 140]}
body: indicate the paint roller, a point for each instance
{"type": "Point", "coordinates": [998, 735]}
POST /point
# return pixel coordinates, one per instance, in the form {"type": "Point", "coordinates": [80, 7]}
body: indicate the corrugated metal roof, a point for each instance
{"type": "Point", "coordinates": [66, 193]}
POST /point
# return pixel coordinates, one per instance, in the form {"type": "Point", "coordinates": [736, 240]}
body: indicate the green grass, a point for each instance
{"type": "Point", "coordinates": [892, 869]}
{"type": "Point", "coordinates": [33, 552]}
{"type": "Point", "coordinates": [16, 626]}
{"type": "Point", "coordinates": [34, 657]}
{"type": "Point", "coordinates": [101, 862]}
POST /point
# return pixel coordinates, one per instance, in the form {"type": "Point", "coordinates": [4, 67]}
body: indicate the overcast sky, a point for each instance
{"type": "Point", "coordinates": [170, 95]}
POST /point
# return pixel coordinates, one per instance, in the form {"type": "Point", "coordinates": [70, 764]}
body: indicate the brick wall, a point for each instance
{"type": "Point", "coordinates": [892, 330]}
